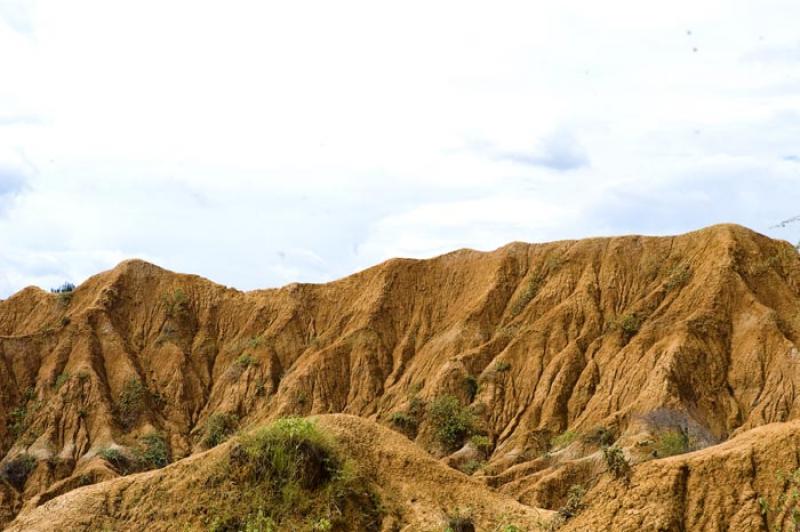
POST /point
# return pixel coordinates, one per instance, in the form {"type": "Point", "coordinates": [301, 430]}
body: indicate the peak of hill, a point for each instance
{"type": "Point", "coordinates": [545, 353]}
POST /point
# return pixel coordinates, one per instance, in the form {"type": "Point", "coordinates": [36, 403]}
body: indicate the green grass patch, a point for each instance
{"type": "Point", "coordinates": [563, 439]}
{"type": "Point", "coordinates": [671, 443]}
{"type": "Point", "coordinates": [291, 476]}
{"type": "Point", "coordinates": [245, 361]}
{"type": "Point", "coordinates": [218, 428]}
{"type": "Point", "coordinates": [62, 378]}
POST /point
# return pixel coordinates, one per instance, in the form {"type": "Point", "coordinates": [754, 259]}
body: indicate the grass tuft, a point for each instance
{"type": "Point", "coordinates": [290, 475]}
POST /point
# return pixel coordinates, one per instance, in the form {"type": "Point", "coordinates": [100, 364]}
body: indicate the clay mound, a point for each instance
{"type": "Point", "coordinates": [409, 482]}
{"type": "Point", "coordinates": [535, 340]}
{"type": "Point", "coordinates": [748, 483]}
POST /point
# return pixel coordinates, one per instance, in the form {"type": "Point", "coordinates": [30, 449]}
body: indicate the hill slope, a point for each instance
{"type": "Point", "coordinates": [536, 340]}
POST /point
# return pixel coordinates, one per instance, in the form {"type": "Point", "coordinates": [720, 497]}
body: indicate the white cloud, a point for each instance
{"type": "Point", "coordinates": [260, 143]}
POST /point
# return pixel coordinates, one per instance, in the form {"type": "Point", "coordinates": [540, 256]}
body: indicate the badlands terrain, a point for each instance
{"type": "Point", "coordinates": [629, 383]}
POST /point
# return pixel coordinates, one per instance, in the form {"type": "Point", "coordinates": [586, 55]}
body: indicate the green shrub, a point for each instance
{"type": "Point", "coordinates": [574, 503]}
{"type": "Point", "coordinates": [245, 361]}
{"type": "Point", "coordinates": [60, 380]}
{"type": "Point", "coordinates": [601, 436]}
{"type": "Point", "coordinates": [472, 386]}
{"type": "Point", "coordinates": [502, 366]}
{"type": "Point", "coordinates": [291, 476]}
{"type": "Point", "coordinates": [527, 294]}
{"type": "Point", "coordinates": [678, 276]}
{"type": "Point", "coordinates": [20, 418]}
{"type": "Point", "coordinates": [482, 443]}
{"type": "Point", "coordinates": [630, 324]}
{"type": "Point", "coordinates": [460, 520]}
{"type": "Point", "coordinates": [130, 403]}
{"type": "Point", "coordinates": [154, 451]}
{"type": "Point", "coordinates": [218, 428]}
{"type": "Point", "coordinates": [117, 459]}
{"type": "Point", "coordinates": [563, 439]}
{"type": "Point", "coordinates": [17, 470]}
{"type": "Point", "coordinates": [416, 406]}
{"type": "Point", "coordinates": [616, 462]}
{"type": "Point", "coordinates": [451, 421]}
{"type": "Point", "coordinates": [18, 421]}
{"type": "Point", "coordinates": [404, 421]}
{"type": "Point", "coordinates": [255, 342]}
{"type": "Point", "coordinates": [291, 451]}
{"type": "Point", "coordinates": [676, 432]}
{"type": "Point", "coordinates": [470, 466]}
{"type": "Point", "coordinates": [177, 304]}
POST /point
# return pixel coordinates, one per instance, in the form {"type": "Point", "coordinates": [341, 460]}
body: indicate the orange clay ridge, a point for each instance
{"type": "Point", "coordinates": [628, 383]}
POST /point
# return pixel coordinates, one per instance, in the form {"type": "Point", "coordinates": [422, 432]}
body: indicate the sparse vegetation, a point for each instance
{"type": "Point", "coordinates": [676, 432]}
{"type": "Point", "coordinates": [563, 439]}
{"type": "Point", "coordinates": [574, 503]}
{"type": "Point", "coordinates": [602, 436]}
{"type": "Point", "coordinates": [482, 443]}
{"type": "Point", "coordinates": [177, 304]}
{"type": "Point", "coordinates": [245, 361]}
{"type": "Point", "coordinates": [678, 276]}
{"type": "Point", "coordinates": [19, 419]}
{"type": "Point", "coordinates": [60, 380]}
{"type": "Point", "coordinates": [528, 293]}
{"type": "Point", "coordinates": [460, 520]}
{"type": "Point", "coordinates": [452, 422]}
{"type": "Point", "coordinates": [151, 452]}
{"type": "Point", "coordinates": [616, 462]}
{"type": "Point", "coordinates": [671, 443]}
{"type": "Point", "coordinates": [471, 466]}
{"type": "Point", "coordinates": [255, 342]}
{"type": "Point", "coordinates": [630, 325]}
{"type": "Point", "coordinates": [64, 293]}
{"type": "Point", "coordinates": [502, 366]}
{"type": "Point", "coordinates": [130, 403]}
{"type": "Point", "coordinates": [783, 511]}
{"type": "Point", "coordinates": [290, 476]}
{"type": "Point", "coordinates": [17, 470]}
{"type": "Point", "coordinates": [65, 288]}
{"type": "Point", "coordinates": [404, 421]}
{"type": "Point", "coordinates": [116, 459]}
{"type": "Point", "coordinates": [218, 428]}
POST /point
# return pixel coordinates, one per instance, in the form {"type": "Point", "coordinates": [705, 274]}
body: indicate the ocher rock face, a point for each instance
{"type": "Point", "coordinates": [574, 334]}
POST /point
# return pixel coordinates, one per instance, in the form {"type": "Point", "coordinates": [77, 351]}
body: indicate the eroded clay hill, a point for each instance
{"type": "Point", "coordinates": [555, 350]}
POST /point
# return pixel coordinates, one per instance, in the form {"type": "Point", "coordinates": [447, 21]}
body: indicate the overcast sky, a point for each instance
{"type": "Point", "coordinates": [260, 143]}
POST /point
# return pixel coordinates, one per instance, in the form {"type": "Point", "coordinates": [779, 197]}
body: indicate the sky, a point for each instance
{"type": "Point", "coordinates": [261, 143]}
